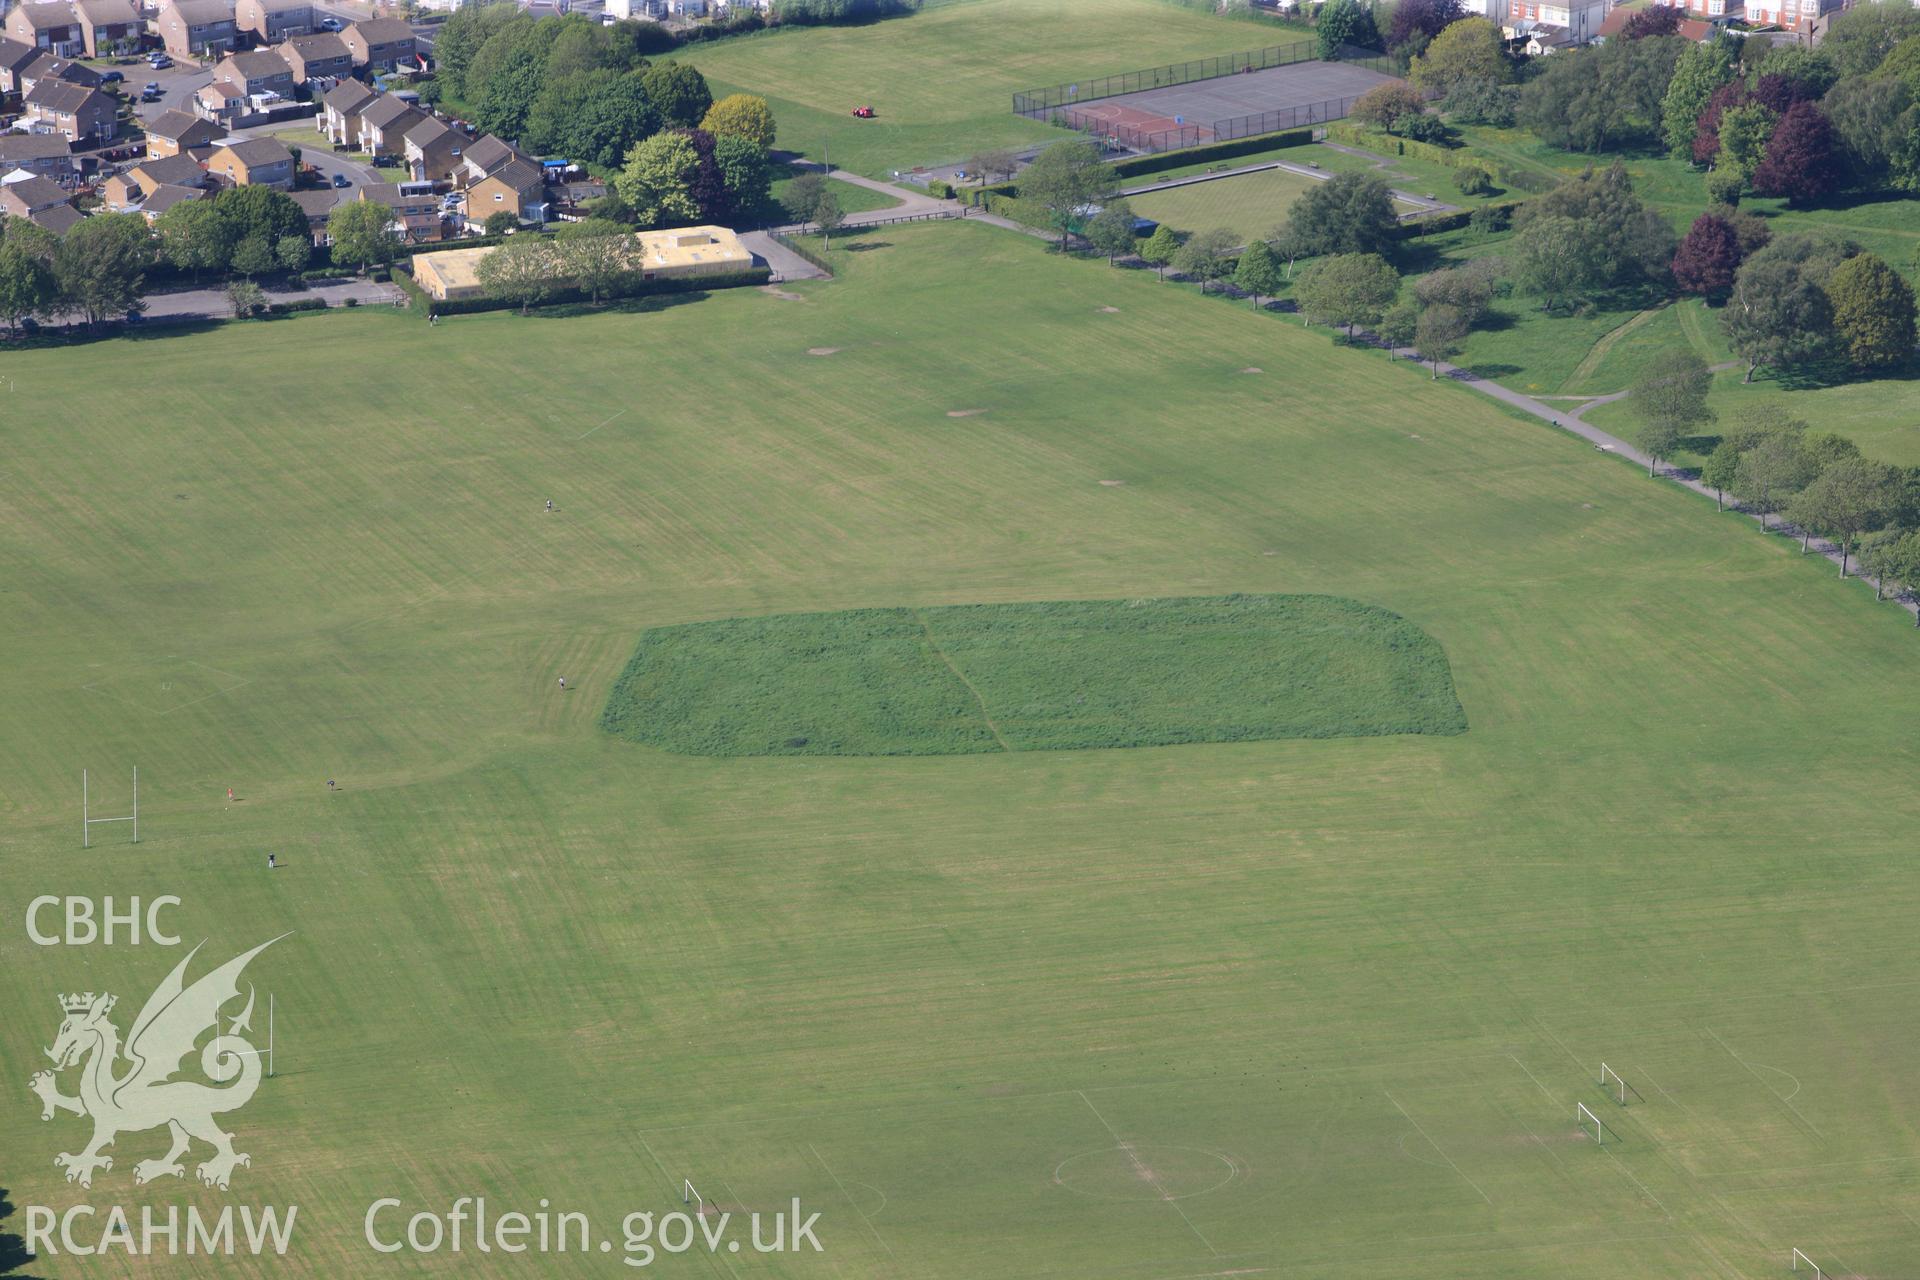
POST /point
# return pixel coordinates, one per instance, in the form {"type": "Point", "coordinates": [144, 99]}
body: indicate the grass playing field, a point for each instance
{"type": "Point", "coordinates": [1044, 676]}
{"type": "Point", "coordinates": [1249, 205]}
{"type": "Point", "coordinates": [942, 81]}
{"type": "Point", "coordinates": [1318, 1007]}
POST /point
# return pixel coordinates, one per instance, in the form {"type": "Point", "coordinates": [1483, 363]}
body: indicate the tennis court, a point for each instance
{"type": "Point", "coordinates": [1294, 96]}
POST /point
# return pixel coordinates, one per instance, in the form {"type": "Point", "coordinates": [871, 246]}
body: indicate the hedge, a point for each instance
{"type": "Point", "coordinates": [1435, 223]}
{"type": "Point", "coordinates": [633, 288]}
{"type": "Point", "coordinates": [1020, 211]}
{"type": "Point", "coordinates": [940, 189]}
{"type": "Point", "coordinates": [1212, 151]}
{"type": "Point", "coordinates": [1453, 157]}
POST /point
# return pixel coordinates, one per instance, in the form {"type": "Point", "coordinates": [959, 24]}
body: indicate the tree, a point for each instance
{"type": "Point", "coordinates": [985, 164]}
{"type": "Point", "coordinates": [253, 256]}
{"type": "Point", "coordinates": [524, 270]}
{"type": "Point", "coordinates": [1481, 102]}
{"type": "Point", "coordinates": [362, 232]}
{"type": "Point", "coordinates": [1880, 559]}
{"type": "Point", "coordinates": [507, 78]}
{"type": "Point", "coordinates": [1719, 471]}
{"type": "Point", "coordinates": [1258, 272]}
{"type": "Point", "coordinates": [245, 297]}
{"type": "Point", "coordinates": [1699, 72]}
{"type": "Point", "coordinates": [1602, 98]}
{"type": "Point", "coordinates": [1873, 312]}
{"type": "Point", "coordinates": [1204, 256]}
{"type": "Point", "coordinates": [1864, 113]}
{"type": "Point", "coordinates": [27, 283]}
{"type": "Point", "coordinates": [1064, 180]}
{"type": "Point", "coordinates": [802, 196]}
{"type": "Point", "coordinates": [741, 115]}
{"type": "Point", "coordinates": [1159, 249]}
{"type": "Point", "coordinates": [1344, 23]}
{"type": "Point", "coordinates": [1776, 316]}
{"type": "Point", "coordinates": [593, 117]}
{"type": "Point", "coordinates": [746, 176]}
{"type": "Point", "coordinates": [1897, 566]}
{"type": "Point", "coordinates": [1438, 334]}
{"type": "Point", "coordinates": [1860, 38]}
{"type": "Point", "coordinates": [679, 93]}
{"type": "Point", "coordinates": [1708, 257]}
{"type": "Point", "coordinates": [1706, 130]}
{"type": "Point", "coordinates": [828, 215]}
{"type": "Point", "coordinates": [1348, 289]}
{"type": "Point", "coordinates": [1467, 50]}
{"type": "Point", "coordinates": [1399, 325]}
{"type": "Point", "coordinates": [1468, 288]}
{"type": "Point", "coordinates": [260, 211]}
{"type": "Point", "coordinates": [1348, 213]}
{"type": "Point", "coordinates": [1628, 243]}
{"type": "Point", "coordinates": [500, 222]}
{"type": "Point", "coordinates": [1670, 398]}
{"type": "Point", "coordinates": [1844, 501]}
{"type": "Point", "coordinates": [195, 236]}
{"type": "Point", "coordinates": [594, 254]}
{"type": "Point", "coordinates": [1660, 20]}
{"type": "Point", "coordinates": [1385, 103]}
{"type": "Point", "coordinates": [1111, 231]}
{"type": "Point", "coordinates": [462, 36]}
{"type": "Point", "coordinates": [292, 253]}
{"type": "Point", "coordinates": [102, 262]}
{"type": "Point", "coordinates": [1771, 472]}
{"type": "Point", "coordinates": [1419, 21]}
{"type": "Point", "coordinates": [1554, 259]}
{"type": "Point", "coordinates": [1800, 163]}
{"type": "Point", "coordinates": [657, 182]}
{"type": "Point", "coordinates": [1744, 131]}
{"type": "Point", "coordinates": [1811, 71]}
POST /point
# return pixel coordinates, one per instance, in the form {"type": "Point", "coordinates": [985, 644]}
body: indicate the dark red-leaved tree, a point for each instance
{"type": "Point", "coordinates": [1800, 163]}
{"type": "Point", "coordinates": [1422, 19]}
{"type": "Point", "coordinates": [708, 188]}
{"type": "Point", "coordinates": [1708, 257]}
{"type": "Point", "coordinates": [1660, 20]}
{"type": "Point", "coordinates": [1779, 93]}
{"type": "Point", "coordinates": [1706, 137]}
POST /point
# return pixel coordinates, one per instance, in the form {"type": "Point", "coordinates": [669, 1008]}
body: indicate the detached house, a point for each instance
{"type": "Point", "coordinates": [432, 150]}
{"type": "Point", "coordinates": [48, 25]}
{"type": "Point", "coordinates": [254, 162]}
{"type": "Point", "coordinates": [190, 28]}
{"type": "Point", "coordinates": [39, 201]}
{"type": "Point", "coordinates": [320, 59]}
{"type": "Point", "coordinates": [384, 122]}
{"type": "Point", "coordinates": [15, 57]}
{"type": "Point", "coordinates": [257, 71]}
{"type": "Point", "coordinates": [380, 44]}
{"type": "Point", "coordinates": [174, 132]}
{"type": "Point", "coordinates": [517, 187]}
{"type": "Point", "coordinates": [108, 26]}
{"type": "Point", "coordinates": [72, 111]}
{"type": "Point", "coordinates": [340, 119]}
{"type": "Point", "coordinates": [271, 21]}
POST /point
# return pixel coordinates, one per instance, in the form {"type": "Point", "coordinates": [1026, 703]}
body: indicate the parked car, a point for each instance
{"type": "Point", "coordinates": [159, 61]}
{"type": "Point", "coordinates": [329, 24]}
{"type": "Point", "coordinates": [111, 77]}
{"type": "Point", "coordinates": [342, 180]}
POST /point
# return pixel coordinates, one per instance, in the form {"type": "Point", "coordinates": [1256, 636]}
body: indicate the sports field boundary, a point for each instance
{"type": "Point", "coordinates": [1036, 103]}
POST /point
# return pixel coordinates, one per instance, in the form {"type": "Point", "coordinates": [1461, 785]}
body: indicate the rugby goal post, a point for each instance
{"type": "Point", "coordinates": [265, 1054]}
{"type": "Point", "coordinates": [88, 822]}
{"type": "Point", "coordinates": [688, 1195]}
{"type": "Point", "coordinates": [1799, 1257]}
{"type": "Point", "coordinates": [1586, 1118]}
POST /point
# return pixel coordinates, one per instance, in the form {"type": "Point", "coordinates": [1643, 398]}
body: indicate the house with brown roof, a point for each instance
{"type": "Point", "coordinates": [416, 209]}
{"type": "Point", "coordinates": [173, 132]}
{"type": "Point", "coordinates": [165, 196]}
{"type": "Point", "coordinates": [517, 187]}
{"type": "Point", "coordinates": [484, 155]}
{"type": "Point", "coordinates": [341, 108]}
{"type": "Point", "coordinates": [380, 43]}
{"type": "Point", "coordinates": [46, 66]}
{"type": "Point", "coordinates": [46, 154]}
{"type": "Point", "coordinates": [190, 28]}
{"type": "Point", "coordinates": [72, 111]}
{"type": "Point", "coordinates": [125, 190]}
{"type": "Point", "coordinates": [109, 27]}
{"type": "Point", "coordinates": [320, 59]}
{"type": "Point", "coordinates": [271, 21]}
{"type": "Point", "coordinates": [432, 150]}
{"type": "Point", "coordinates": [384, 123]}
{"type": "Point", "coordinates": [254, 162]}
{"type": "Point", "coordinates": [255, 71]}
{"type": "Point", "coordinates": [49, 25]}
{"type": "Point", "coordinates": [220, 102]}
{"type": "Point", "coordinates": [15, 57]}
{"type": "Point", "coordinates": [40, 201]}
{"type": "Point", "coordinates": [318, 205]}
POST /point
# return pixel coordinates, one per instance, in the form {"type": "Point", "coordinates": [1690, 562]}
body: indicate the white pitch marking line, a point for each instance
{"type": "Point", "coordinates": [851, 1201]}
{"type": "Point", "coordinates": [1763, 1082]}
{"type": "Point", "coordinates": [1436, 1146]}
{"type": "Point", "coordinates": [596, 426]}
{"type": "Point", "coordinates": [1128, 1148]}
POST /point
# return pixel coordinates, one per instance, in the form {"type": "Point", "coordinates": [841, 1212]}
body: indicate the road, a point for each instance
{"type": "Point", "coordinates": [211, 303]}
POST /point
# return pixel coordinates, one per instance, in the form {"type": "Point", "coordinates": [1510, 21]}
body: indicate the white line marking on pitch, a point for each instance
{"type": "Point", "coordinates": [855, 1203]}
{"type": "Point", "coordinates": [1149, 1174]}
{"type": "Point", "coordinates": [1763, 1082]}
{"type": "Point", "coordinates": [596, 426]}
{"type": "Point", "coordinates": [1436, 1146]}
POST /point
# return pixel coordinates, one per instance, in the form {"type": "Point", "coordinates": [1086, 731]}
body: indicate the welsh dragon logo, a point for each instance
{"type": "Point", "coordinates": [145, 1095]}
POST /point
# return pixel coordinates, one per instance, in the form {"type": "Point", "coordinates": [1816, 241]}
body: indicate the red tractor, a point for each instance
{"type": "Point", "coordinates": [863, 113]}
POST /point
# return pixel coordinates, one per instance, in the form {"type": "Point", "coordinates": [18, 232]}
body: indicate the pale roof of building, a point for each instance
{"type": "Point", "coordinates": [681, 247]}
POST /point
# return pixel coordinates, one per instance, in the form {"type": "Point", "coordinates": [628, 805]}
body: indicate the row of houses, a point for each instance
{"type": "Point", "coordinates": [199, 28]}
{"type": "Point", "coordinates": [493, 174]}
{"type": "Point", "coordinates": [1549, 25]}
{"type": "Point", "coordinates": [58, 96]}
